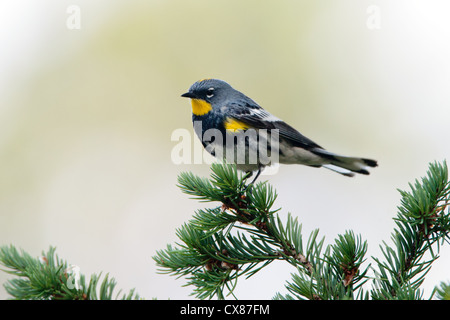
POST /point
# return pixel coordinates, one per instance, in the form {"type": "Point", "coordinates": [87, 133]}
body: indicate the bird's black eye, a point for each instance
{"type": "Point", "coordinates": [210, 92]}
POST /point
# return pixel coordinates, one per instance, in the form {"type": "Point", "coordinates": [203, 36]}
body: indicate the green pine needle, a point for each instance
{"type": "Point", "coordinates": [244, 234]}
{"type": "Point", "coordinates": [51, 278]}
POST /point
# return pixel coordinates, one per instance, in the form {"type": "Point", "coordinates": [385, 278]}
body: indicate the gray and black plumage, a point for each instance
{"type": "Point", "coordinates": [216, 105]}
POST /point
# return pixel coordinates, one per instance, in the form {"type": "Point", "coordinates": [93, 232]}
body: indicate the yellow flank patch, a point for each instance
{"type": "Point", "coordinates": [235, 125]}
{"type": "Point", "coordinates": [200, 107]}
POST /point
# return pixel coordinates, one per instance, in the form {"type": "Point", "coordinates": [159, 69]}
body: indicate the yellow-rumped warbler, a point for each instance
{"type": "Point", "coordinates": [235, 128]}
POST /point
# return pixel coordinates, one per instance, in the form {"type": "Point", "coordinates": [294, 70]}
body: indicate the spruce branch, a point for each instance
{"type": "Point", "coordinates": [443, 291]}
{"type": "Point", "coordinates": [51, 278]}
{"type": "Point", "coordinates": [423, 225]}
{"type": "Point", "coordinates": [244, 233]}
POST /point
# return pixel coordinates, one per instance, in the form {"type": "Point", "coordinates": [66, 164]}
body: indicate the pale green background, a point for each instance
{"type": "Point", "coordinates": [86, 118]}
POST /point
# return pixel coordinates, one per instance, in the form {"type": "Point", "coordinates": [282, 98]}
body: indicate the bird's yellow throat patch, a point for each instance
{"type": "Point", "coordinates": [234, 125]}
{"type": "Point", "coordinates": [200, 107]}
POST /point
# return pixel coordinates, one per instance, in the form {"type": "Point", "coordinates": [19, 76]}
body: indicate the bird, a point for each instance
{"type": "Point", "coordinates": [221, 114]}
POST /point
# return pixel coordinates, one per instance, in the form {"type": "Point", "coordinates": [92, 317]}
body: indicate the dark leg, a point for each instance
{"type": "Point", "coordinates": [248, 174]}
{"type": "Point", "coordinates": [256, 177]}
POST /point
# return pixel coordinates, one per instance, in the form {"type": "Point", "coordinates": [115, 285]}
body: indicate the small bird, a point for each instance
{"type": "Point", "coordinates": [235, 128]}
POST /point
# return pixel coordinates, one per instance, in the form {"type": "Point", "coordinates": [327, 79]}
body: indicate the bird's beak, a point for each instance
{"type": "Point", "coordinates": [188, 95]}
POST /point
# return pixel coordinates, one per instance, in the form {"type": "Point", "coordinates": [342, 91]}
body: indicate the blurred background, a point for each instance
{"type": "Point", "coordinates": [90, 95]}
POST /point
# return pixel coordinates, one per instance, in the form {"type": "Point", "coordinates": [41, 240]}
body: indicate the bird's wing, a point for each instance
{"type": "Point", "coordinates": [253, 116]}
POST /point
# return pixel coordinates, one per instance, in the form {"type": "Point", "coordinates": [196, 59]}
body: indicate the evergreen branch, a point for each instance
{"type": "Point", "coordinates": [443, 291]}
{"type": "Point", "coordinates": [51, 278]}
{"type": "Point", "coordinates": [336, 276]}
{"type": "Point", "coordinates": [422, 222]}
{"type": "Point", "coordinates": [347, 257]}
{"type": "Point", "coordinates": [245, 234]}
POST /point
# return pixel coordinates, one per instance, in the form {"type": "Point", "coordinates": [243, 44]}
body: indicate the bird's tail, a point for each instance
{"type": "Point", "coordinates": [346, 166]}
